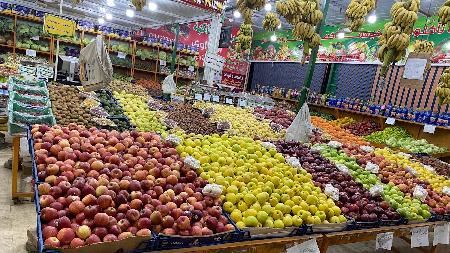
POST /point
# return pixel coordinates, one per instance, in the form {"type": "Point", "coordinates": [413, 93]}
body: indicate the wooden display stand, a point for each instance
{"type": "Point", "coordinates": [15, 171]}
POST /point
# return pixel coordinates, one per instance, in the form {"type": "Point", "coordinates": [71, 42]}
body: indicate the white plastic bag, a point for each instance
{"type": "Point", "coordinates": [212, 190]}
{"type": "Point", "coordinates": [342, 168]}
{"type": "Point", "coordinates": [376, 190]}
{"type": "Point", "coordinates": [294, 162]}
{"type": "Point", "coordinates": [430, 169]}
{"type": "Point", "coordinates": [169, 86]}
{"type": "Point", "coordinates": [367, 149]}
{"type": "Point", "coordinates": [372, 167]}
{"type": "Point", "coordinates": [446, 190]}
{"type": "Point", "coordinates": [331, 192]}
{"type": "Point", "coordinates": [268, 145]}
{"type": "Point", "coordinates": [420, 193]}
{"type": "Point", "coordinates": [301, 127]}
{"type": "Point", "coordinates": [334, 144]}
{"type": "Point", "coordinates": [175, 140]}
{"type": "Point", "coordinates": [412, 171]}
{"type": "Point", "coordinates": [191, 162]}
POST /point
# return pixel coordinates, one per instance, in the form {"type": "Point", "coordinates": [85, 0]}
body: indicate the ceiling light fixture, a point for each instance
{"type": "Point", "coordinates": [102, 9]}
{"type": "Point", "coordinates": [372, 19]}
{"type": "Point", "coordinates": [129, 13]}
{"type": "Point", "coordinates": [273, 38]}
{"type": "Point", "coordinates": [108, 16]}
{"type": "Point", "coordinates": [236, 14]}
{"type": "Point", "coordinates": [110, 3]}
{"type": "Point", "coordinates": [268, 7]}
{"type": "Point", "coordinates": [101, 21]}
{"type": "Point", "coordinates": [341, 35]}
{"type": "Point", "coordinates": [152, 6]}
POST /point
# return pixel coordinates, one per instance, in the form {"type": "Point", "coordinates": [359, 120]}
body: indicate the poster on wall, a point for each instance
{"type": "Point", "coordinates": [355, 47]}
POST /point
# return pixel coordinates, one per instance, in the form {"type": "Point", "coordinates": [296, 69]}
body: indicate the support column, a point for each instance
{"type": "Point", "coordinates": [213, 46]}
{"type": "Point", "coordinates": [174, 51]}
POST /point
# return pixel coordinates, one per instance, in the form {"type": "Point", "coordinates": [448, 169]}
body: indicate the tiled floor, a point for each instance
{"type": "Point", "coordinates": [16, 219]}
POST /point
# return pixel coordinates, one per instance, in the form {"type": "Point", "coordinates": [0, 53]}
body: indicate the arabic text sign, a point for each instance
{"type": "Point", "coordinates": [419, 237]}
{"type": "Point", "coordinates": [384, 241]}
{"type": "Point", "coordinates": [214, 61]}
{"type": "Point", "coordinates": [59, 26]}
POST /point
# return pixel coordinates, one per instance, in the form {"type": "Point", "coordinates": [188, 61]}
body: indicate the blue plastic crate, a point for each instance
{"type": "Point", "coordinates": [32, 156]}
{"type": "Point", "coordinates": [164, 242]}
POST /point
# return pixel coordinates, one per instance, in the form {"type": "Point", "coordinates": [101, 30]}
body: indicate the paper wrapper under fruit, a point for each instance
{"type": "Point", "coordinates": [192, 163]}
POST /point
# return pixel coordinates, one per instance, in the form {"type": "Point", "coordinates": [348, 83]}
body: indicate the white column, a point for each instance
{"type": "Point", "coordinates": [212, 46]}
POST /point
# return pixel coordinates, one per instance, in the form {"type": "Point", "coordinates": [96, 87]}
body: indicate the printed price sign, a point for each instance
{"type": "Point", "coordinates": [228, 101]}
{"type": "Point", "coordinates": [441, 234]}
{"type": "Point", "coordinates": [30, 52]}
{"type": "Point", "coordinates": [384, 241]}
{"type": "Point", "coordinates": [59, 26]}
{"type": "Point", "coordinates": [35, 38]}
{"type": "Point", "coordinates": [191, 68]}
{"type": "Point", "coordinates": [121, 55]}
{"type": "Point", "coordinates": [305, 247]}
{"type": "Point", "coordinates": [242, 102]}
{"type": "Point", "coordinates": [198, 96]}
{"type": "Point", "coordinates": [414, 68]}
{"type": "Point", "coordinates": [390, 121]}
{"type": "Point", "coordinates": [429, 129]}
{"type": "Point", "coordinates": [206, 97]}
{"type": "Point", "coordinates": [215, 98]}
{"type": "Point", "coordinates": [419, 237]}
{"type": "Point", "coordinates": [162, 63]}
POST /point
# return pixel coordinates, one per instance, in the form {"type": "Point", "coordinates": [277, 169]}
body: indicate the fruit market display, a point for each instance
{"type": "Point", "coordinates": [259, 187]}
{"type": "Point", "coordinates": [442, 168]}
{"type": "Point", "coordinates": [101, 186]}
{"type": "Point", "coordinates": [271, 22]}
{"type": "Point", "coordinates": [353, 199]}
{"type": "Point", "coordinates": [357, 12]}
{"type": "Point", "coordinates": [436, 181]}
{"type": "Point", "coordinates": [276, 115]}
{"type": "Point", "coordinates": [135, 107]}
{"type": "Point", "coordinates": [398, 137]}
{"type": "Point", "coordinates": [149, 84]}
{"type": "Point", "coordinates": [443, 88]}
{"type": "Point", "coordinates": [67, 105]}
{"type": "Point", "coordinates": [342, 122]}
{"type": "Point", "coordinates": [322, 115]}
{"type": "Point", "coordinates": [403, 203]}
{"type": "Point", "coordinates": [109, 103]}
{"type": "Point", "coordinates": [190, 119]}
{"type": "Point", "coordinates": [363, 128]}
{"type": "Point", "coordinates": [124, 85]}
{"type": "Point", "coordinates": [337, 133]}
{"type": "Point", "coordinates": [444, 12]}
{"type": "Point", "coordinates": [396, 34]}
{"type": "Point", "coordinates": [242, 121]}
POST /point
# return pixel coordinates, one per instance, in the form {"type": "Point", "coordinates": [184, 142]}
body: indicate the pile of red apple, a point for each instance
{"type": "Point", "coordinates": [363, 128]}
{"type": "Point", "coordinates": [354, 200]}
{"type": "Point", "coordinates": [101, 186]}
{"type": "Point", "coordinates": [276, 115]}
{"type": "Point", "coordinates": [403, 179]}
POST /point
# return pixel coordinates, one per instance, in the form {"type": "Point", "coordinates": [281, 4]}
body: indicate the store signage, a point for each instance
{"type": "Point", "coordinates": [198, 96]}
{"type": "Point", "coordinates": [215, 98]}
{"type": "Point", "coordinates": [58, 26]}
{"type": "Point", "coordinates": [384, 241]}
{"type": "Point", "coordinates": [242, 102]}
{"type": "Point", "coordinates": [30, 52]}
{"type": "Point", "coordinates": [210, 5]}
{"type": "Point", "coordinates": [121, 55]}
{"type": "Point", "coordinates": [414, 68]}
{"type": "Point", "coordinates": [390, 121]}
{"type": "Point", "coordinates": [441, 234]}
{"type": "Point", "coordinates": [309, 246]}
{"type": "Point", "coordinates": [429, 129]}
{"type": "Point", "coordinates": [214, 61]}
{"type": "Point", "coordinates": [206, 97]}
{"type": "Point", "coordinates": [419, 237]}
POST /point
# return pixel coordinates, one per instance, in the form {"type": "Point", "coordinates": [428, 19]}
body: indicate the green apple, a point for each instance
{"type": "Point", "coordinates": [240, 224]}
{"type": "Point", "coordinates": [267, 208]}
{"type": "Point", "coordinates": [251, 221]}
{"type": "Point", "coordinates": [287, 220]}
{"type": "Point", "coordinates": [262, 217]}
{"type": "Point", "coordinates": [278, 224]}
{"type": "Point", "coordinates": [295, 209]}
{"type": "Point", "coordinates": [277, 214]}
{"type": "Point", "coordinates": [228, 207]}
{"type": "Point", "coordinates": [334, 219]}
{"type": "Point", "coordinates": [242, 206]}
{"type": "Point", "coordinates": [297, 221]}
{"type": "Point", "coordinates": [236, 215]}
{"type": "Point", "coordinates": [273, 201]}
{"type": "Point", "coordinates": [262, 197]}
{"type": "Point", "coordinates": [249, 199]}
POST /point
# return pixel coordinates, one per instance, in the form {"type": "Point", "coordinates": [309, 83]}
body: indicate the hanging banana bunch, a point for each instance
{"type": "Point", "coordinates": [357, 11]}
{"type": "Point", "coordinates": [396, 34]}
{"type": "Point", "coordinates": [139, 4]}
{"type": "Point", "coordinates": [271, 22]}
{"type": "Point", "coordinates": [425, 47]}
{"type": "Point", "coordinates": [244, 37]}
{"type": "Point", "coordinates": [444, 13]}
{"type": "Point", "coordinates": [291, 10]}
{"type": "Point", "coordinates": [443, 88]}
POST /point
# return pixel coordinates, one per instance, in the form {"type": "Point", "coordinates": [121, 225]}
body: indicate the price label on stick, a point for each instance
{"type": "Point", "coordinates": [35, 38]}
{"type": "Point", "coordinates": [305, 247]}
{"type": "Point", "coordinates": [198, 96]}
{"type": "Point", "coordinates": [162, 63]}
{"type": "Point", "coordinates": [384, 241]}
{"type": "Point", "coordinates": [206, 97]}
{"type": "Point", "coordinates": [242, 102]}
{"type": "Point", "coordinates": [191, 68]}
{"type": "Point", "coordinates": [228, 101]}
{"type": "Point", "coordinates": [390, 121]}
{"type": "Point", "coordinates": [121, 55]}
{"type": "Point", "coordinates": [429, 129]}
{"type": "Point", "coordinates": [419, 237]}
{"type": "Point", "coordinates": [441, 234]}
{"type": "Point", "coordinates": [215, 98]}
{"type": "Point", "coordinates": [30, 52]}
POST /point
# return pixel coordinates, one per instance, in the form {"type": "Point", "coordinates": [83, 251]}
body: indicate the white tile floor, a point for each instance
{"type": "Point", "coordinates": [16, 219]}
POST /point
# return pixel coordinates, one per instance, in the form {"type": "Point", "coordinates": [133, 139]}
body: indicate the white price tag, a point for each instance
{"type": "Point", "coordinates": [30, 52]}
{"type": "Point", "coordinates": [121, 55]}
{"type": "Point", "coordinates": [429, 129]}
{"type": "Point", "coordinates": [191, 68]}
{"type": "Point", "coordinates": [390, 121]}
{"type": "Point", "coordinates": [242, 102]}
{"type": "Point", "coordinates": [441, 234]}
{"type": "Point", "coordinates": [228, 101]}
{"type": "Point", "coordinates": [198, 96]}
{"type": "Point", "coordinates": [384, 241]}
{"type": "Point", "coordinates": [206, 97]}
{"type": "Point", "coordinates": [162, 63]}
{"type": "Point", "coordinates": [419, 237]}
{"type": "Point", "coordinates": [215, 98]}
{"type": "Point", "coordinates": [305, 247]}
{"type": "Point", "coordinates": [414, 68]}
{"type": "Point", "coordinates": [35, 38]}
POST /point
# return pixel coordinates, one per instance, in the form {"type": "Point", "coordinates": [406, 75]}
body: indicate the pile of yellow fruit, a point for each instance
{"type": "Point", "coordinates": [259, 188]}
{"type": "Point", "coordinates": [343, 121]}
{"type": "Point", "coordinates": [243, 122]}
{"type": "Point", "coordinates": [436, 181]}
{"type": "Point", "coordinates": [140, 115]}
